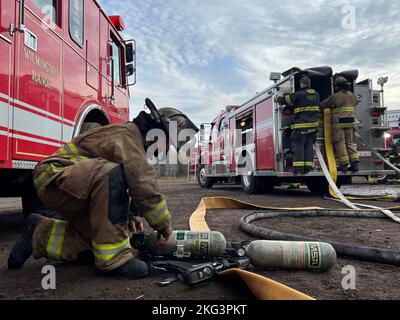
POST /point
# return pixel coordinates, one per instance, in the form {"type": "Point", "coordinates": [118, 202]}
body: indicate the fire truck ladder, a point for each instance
{"type": "Point", "coordinates": [192, 167]}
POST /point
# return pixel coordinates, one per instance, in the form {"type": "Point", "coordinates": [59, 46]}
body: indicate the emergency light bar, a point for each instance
{"type": "Point", "coordinates": [117, 22]}
{"type": "Point", "coordinates": [275, 76]}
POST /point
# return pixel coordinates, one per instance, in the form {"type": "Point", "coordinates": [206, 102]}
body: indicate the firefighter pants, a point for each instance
{"type": "Point", "coordinates": [345, 148]}
{"type": "Point", "coordinates": [96, 222]}
{"type": "Point", "coordinates": [303, 150]}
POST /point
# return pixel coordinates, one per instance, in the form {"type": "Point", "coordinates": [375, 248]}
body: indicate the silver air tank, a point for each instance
{"type": "Point", "coordinates": [317, 256]}
{"type": "Point", "coordinates": [186, 244]}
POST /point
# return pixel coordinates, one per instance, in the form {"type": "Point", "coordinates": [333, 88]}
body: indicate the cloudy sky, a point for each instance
{"type": "Point", "coordinates": [201, 55]}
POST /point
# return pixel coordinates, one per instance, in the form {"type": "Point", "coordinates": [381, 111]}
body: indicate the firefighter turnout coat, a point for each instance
{"type": "Point", "coordinates": [343, 104]}
{"type": "Point", "coordinates": [306, 104]}
{"type": "Point", "coordinates": [87, 181]}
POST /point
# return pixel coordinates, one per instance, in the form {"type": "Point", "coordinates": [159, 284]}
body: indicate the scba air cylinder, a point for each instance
{"type": "Point", "coordinates": [317, 256]}
{"type": "Point", "coordinates": [187, 244]}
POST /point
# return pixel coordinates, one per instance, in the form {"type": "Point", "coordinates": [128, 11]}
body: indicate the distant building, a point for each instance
{"type": "Point", "coordinates": [393, 117]}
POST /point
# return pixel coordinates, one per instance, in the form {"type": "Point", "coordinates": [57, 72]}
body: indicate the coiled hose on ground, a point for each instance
{"type": "Point", "coordinates": [348, 250]}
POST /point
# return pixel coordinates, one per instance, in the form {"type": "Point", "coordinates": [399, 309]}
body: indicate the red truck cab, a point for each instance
{"type": "Point", "coordinates": [64, 68]}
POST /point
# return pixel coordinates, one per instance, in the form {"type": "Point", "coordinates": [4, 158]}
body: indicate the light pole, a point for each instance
{"type": "Point", "coordinates": [381, 82]}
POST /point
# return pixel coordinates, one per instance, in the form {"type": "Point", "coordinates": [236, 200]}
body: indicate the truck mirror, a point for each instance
{"type": "Point", "coordinates": [130, 52]}
{"type": "Point", "coordinates": [130, 70]}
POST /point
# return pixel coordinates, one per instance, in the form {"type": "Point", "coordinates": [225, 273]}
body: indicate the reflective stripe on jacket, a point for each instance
{"type": "Point", "coordinates": [343, 104]}
{"type": "Point", "coordinates": [117, 143]}
{"type": "Point", "coordinates": [306, 108]}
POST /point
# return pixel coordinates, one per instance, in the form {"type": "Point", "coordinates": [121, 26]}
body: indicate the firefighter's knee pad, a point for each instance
{"type": "Point", "coordinates": [118, 199]}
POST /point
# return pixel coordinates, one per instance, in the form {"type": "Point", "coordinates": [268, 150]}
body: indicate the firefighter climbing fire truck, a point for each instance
{"type": "Point", "coordinates": [64, 69]}
{"type": "Point", "coordinates": [250, 144]}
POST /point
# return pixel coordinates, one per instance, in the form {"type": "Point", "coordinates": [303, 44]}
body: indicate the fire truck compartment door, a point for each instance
{"type": "Point", "coordinates": [7, 20]}
{"type": "Point", "coordinates": [38, 110]}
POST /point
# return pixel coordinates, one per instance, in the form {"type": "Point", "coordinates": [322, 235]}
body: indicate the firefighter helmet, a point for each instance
{"type": "Point", "coordinates": [161, 119]}
{"type": "Point", "coordinates": [170, 115]}
{"type": "Point", "coordinates": [305, 81]}
{"type": "Point", "coordinates": [341, 82]}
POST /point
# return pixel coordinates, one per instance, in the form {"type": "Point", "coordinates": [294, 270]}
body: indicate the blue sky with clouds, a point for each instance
{"type": "Point", "coordinates": [201, 55]}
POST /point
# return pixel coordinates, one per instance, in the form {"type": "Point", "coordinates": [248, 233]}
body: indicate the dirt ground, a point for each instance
{"type": "Point", "coordinates": [373, 281]}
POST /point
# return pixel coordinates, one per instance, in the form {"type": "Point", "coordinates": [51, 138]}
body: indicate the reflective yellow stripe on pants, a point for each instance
{"type": "Point", "coordinates": [106, 252]}
{"type": "Point", "coordinates": [55, 243]}
{"type": "Point", "coordinates": [344, 125]}
{"type": "Point", "coordinates": [299, 164]}
{"type": "Point", "coordinates": [305, 125]}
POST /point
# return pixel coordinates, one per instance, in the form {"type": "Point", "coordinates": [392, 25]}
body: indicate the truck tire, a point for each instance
{"type": "Point", "coordinates": [257, 185]}
{"type": "Point", "coordinates": [204, 181]}
{"type": "Point", "coordinates": [382, 179]}
{"type": "Point", "coordinates": [320, 186]}
{"type": "Point", "coordinates": [86, 126]}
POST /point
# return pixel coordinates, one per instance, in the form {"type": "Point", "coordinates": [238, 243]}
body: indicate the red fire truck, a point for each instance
{"type": "Point", "coordinates": [64, 69]}
{"type": "Point", "coordinates": [250, 144]}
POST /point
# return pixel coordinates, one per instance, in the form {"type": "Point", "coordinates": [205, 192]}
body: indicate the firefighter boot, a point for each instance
{"type": "Point", "coordinates": [343, 168]}
{"type": "Point", "coordinates": [132, 270]}
{"type": "Point", "coordinates": [354, 167]}
{"type": "Point", "coordinates": [22, 249]}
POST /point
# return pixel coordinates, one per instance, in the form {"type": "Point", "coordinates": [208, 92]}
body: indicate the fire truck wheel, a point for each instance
{"type": "Point", "coordinates": [382, 179]}
{"type": "Point", "coordinates": [257, 185]}
{"type": "Point", "coordinates": [320, 186]}
{"type": "Point", "coordinates": [86, 126]}
{"type": "Point", "coordinates": [204, 182]}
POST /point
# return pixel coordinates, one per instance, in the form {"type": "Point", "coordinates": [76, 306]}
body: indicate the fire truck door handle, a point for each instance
{"type": "Point", "coordinates": [112, 81]}
{"type": "Point", "coordinates": [110, 61]}
{"type": "Point", "coordinates": [21, 28]}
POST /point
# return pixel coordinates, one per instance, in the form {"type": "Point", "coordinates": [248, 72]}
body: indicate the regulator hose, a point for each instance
{"type": "Point", "coordinates": [342, 249]}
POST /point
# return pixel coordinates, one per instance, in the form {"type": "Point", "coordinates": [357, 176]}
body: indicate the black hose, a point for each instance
{"type": "Point", "coordinates": [342, 249]}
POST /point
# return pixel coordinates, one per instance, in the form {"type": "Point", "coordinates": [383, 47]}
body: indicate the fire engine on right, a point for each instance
{"type": "Point", "coordinates": [251, 144]}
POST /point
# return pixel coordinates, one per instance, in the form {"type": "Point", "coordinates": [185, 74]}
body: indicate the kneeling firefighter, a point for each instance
{"type": "Point", "coordinates": [343, 104]}
{"type": "Point", "coordinates": [88, 182]}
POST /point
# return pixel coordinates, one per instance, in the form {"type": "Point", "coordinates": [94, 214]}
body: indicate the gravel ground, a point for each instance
{"type": "Point", "coordinates": [373, 281]}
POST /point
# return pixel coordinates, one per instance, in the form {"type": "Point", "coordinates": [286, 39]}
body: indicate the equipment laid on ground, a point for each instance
{"type": "Point", "coordinates": [188, 244]}
{"type": "Point", "coordinates": [197, 223]}
{"type": "Point", "coordinates": [251, 144]}
{"type": "Point", "coordinates": [198, 256]}
{"type": "Point", "coordinates": [342, 249]}
{"type": "Point", "coordinates": [292, 255]}
{"type": "Point", "coordinates": [193, 256]}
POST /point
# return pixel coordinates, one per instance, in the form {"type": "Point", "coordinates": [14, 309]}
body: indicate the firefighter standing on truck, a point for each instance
{"type": "Point", "coordinates": [87, 182]}
{"type": "Point", "coordinates": [306, 104]}
{"type": "Point", "coordinates": [343, 104]}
